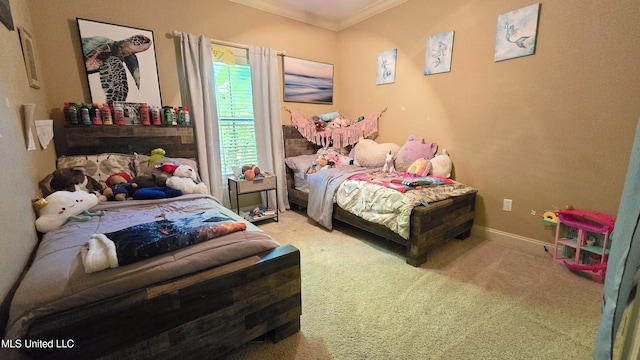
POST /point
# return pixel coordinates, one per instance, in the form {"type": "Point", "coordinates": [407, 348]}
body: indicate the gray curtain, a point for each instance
{"type": "Point", "coordinates": [198, 74]}
{"type": "Point", "coordinates": [265, 80]}
{"type": "Point", "coordinates": [624, 258]}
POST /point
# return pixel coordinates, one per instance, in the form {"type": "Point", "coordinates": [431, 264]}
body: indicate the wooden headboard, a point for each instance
{"type": "Point", "coordinates": [295, 144]}
{"type": "Point", "coordinates": [177, 141]}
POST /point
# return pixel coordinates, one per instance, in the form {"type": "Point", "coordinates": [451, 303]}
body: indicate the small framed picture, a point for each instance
{"type": "Point", "coordinates": [28, 53]}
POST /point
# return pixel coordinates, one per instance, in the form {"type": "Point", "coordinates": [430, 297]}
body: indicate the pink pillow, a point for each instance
{"type": "Point", "coordinates": [420, 167]}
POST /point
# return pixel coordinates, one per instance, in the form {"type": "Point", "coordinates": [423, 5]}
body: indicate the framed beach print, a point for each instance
{"type": "Point", "coordinates": [120, 62]}
{"type": "Point", "coordinates": [5, 14]}
{"type": "Point", "coordinates": [437, 57]}
{"type": "Point", "coordinates": [386, 67]}
{"type": "Point", "coordinates": [28, 53]}
{"type": "Point", "coordinates": [516, 33]}
{"type": "Point", "coordinates": [307, 81]}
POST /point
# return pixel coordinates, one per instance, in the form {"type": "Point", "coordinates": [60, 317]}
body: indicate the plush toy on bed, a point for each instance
{"type": "Point", "coordinates": [412, 150]}
{"type": "Point", "coordinates": [63, 206]}
{"type": "Point", "coordinates": [70, 179]}
{"type": "Point", "coordinates": [119, 187]}
{"type": "Point", "coordinates": [185, 179]}
{"type": "Point", "coordinates": [388, 163]}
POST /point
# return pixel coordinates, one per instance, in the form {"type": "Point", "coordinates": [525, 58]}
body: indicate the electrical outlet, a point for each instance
{"type": "Point", "coordinates": [506, 204]}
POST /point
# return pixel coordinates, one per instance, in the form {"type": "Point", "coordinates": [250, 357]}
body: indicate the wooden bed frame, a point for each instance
{"type": "Point", "coordinates": [430, 226]}
{"type": "Point", "coordinates": [201, 315]}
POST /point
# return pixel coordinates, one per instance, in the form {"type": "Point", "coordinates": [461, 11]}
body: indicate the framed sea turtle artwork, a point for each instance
{"type": "Point", "coordinates": [120, 62]}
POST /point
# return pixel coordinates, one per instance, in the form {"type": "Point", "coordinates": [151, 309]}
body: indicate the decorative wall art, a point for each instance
{"type": "Point", "coordinates": [386, 67]}
{"type": "Point", "coordinates": [28, 53]}
{"type": "Point", "coordinates": [516, 33]}
{"type": "Point", "coordinates": [5, 14]}
{"type": "Point", "coordinates": [437, 58]}
{"type": "Point", "coordinates": [307, 81]}
{"type": "Point", "coordinates": [120, 63]}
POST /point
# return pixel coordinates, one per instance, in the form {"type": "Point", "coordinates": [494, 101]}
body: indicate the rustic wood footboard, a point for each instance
{"type": "Point", "coordinates": [203, 315]}
{"type": "Point", "coordinates": [431, 225]}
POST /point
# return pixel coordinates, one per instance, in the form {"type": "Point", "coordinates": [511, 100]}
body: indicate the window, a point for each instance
{"type": "Point", "coordinates": [235, 112]}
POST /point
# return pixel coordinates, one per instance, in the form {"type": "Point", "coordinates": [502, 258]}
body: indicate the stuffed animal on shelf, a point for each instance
{"type": "Point", "coordinates": [185, 179]}
{"type": "Point", "coordinates": [119, 187]}
{"type": "Point", "coordinates": [62, 206]}
{"type": "Point", "coordinates": [250, 171]}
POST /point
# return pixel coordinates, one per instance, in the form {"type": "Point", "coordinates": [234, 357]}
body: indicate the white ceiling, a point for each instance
{"type": "Point", "coordinates": [330, 14]}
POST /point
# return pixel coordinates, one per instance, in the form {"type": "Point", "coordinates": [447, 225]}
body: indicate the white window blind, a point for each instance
{"type": "Point", "coordinates": [235, 112]}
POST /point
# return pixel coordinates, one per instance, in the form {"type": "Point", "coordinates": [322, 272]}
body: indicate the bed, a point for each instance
{"type": "Point", "coordinates": [428, 226]}
{"type": "Point", "coordinates": [201, 300]}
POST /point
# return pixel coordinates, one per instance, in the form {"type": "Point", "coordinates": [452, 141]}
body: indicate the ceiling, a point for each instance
{"type": "Point", "coordinates": [330, 14]}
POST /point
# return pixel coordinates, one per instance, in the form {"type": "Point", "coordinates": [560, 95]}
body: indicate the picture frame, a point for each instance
{"type": "Point", "coordinates": [386, 67]}
{"type": "Point", "coordinates": [437, 57]}
{"type": "Point", "coordinates": [516, 33]}
{"type": "Point", "coordinates": [120, 62]}
{"type": "Point", "coordinates": [5, 14]}
{"type": "Point", "coordinates": [307, 81]}
{"type": "Point", "coordinates": [28, 52]}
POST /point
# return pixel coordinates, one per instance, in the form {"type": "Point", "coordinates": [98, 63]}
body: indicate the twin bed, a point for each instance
{"type": "Point", "coordinates": [430, 218]}
{"type": "Point", "coordinates": [197, 301]}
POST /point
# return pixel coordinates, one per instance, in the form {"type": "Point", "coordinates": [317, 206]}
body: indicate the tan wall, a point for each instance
{"type": "Point", "coordinates": [555, 128]}
{"type": "Point", "coordinates": [551, 129]}
{"type": "Point", "coordinates": [21, 168]}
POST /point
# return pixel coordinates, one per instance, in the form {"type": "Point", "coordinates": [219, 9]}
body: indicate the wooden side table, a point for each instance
{"type": "Point", "coordinates": [259, 184]}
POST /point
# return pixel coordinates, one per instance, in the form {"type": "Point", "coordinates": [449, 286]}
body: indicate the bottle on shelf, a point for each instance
{"type": "Point", "coordinates": [118, 112]}
{"type": "Point", "coordinates": [73, 114]}
{"type": "Point", "coordinates": [156, 117]}
{"type": "Point", "coordinates": [65, 111]}
{"type": "Point", "coordinates": [144, 114]}
{"type": "Point", "coordinates": [107, 118]}
{"type": "Point", "coordinates": [168, 115]}
{"type": "Point", "coordinates": [187, 116]}
{"type": "Point", "coordinates": [180, 115]}
{"type": "Point", "coordinates": [96, 114]}
{"type": "Point", "coordinates": [84, 114]}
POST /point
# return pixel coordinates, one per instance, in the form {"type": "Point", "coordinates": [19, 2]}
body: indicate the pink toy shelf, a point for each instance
{"type": "Point", "coordinates": [582, 242]}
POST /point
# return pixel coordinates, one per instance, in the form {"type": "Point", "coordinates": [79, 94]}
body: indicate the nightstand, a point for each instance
{"type": "Point", "coordinates": [259, 184]}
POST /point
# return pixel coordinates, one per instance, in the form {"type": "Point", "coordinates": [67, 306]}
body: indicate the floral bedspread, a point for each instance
{"type": "Point", "coordinates": [389, 207]}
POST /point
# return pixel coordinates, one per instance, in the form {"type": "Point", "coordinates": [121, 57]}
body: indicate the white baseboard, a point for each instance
{"type": "Point", "coordinates": [525, 244]}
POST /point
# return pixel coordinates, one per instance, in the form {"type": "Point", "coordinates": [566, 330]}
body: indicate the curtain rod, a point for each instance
{"type": "Point", "coordinates": [232, 44]}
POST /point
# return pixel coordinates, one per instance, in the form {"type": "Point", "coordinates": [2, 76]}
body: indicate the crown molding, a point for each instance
{"type": "Point", "coordinates": [277, 8]}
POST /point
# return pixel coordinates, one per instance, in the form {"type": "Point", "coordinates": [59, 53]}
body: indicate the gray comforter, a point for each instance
{"type": "Point", "coordinates": [322, 188]}
{"type": "Point", "coordinates": [57, 280]}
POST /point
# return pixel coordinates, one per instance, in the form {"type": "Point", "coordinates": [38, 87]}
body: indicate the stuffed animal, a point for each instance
{"type": "Point", "coordinates": [413, 150]}
{"type": "Point", "coordinates": [388, 163]}
{"type": "Point", "coordinates": [185, 179]}
{"type": "Point", "coordinates": [119, 187]}
{"type": "Point", "coordinates": [250, 171]}
{"type": "Point", "coordinates": [442, 165]}
{"type": "Point", "coordinates": [69, 179]}
{"type": "Point", "coordinates": [156, 154]}
{"type": "Point", "coordinates": [370, 154]}
{"type": "Point", "coordinates": [62, 206]}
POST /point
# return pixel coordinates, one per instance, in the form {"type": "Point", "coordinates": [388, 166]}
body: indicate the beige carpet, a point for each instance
{"type": "Point", "coordinates": [472, 299]}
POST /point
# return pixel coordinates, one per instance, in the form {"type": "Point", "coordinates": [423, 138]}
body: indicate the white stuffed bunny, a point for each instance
{"type": "Point", "coordinates": [185, 179]}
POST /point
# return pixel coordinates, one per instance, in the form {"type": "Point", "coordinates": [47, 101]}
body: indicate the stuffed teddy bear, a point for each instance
{"type": "Point", "coordinates": [413, 150]}
{"type": "Point", "coordinates": [185, 179]}
{"type": "Point", "coordinates": [62, 206]}
{"type": "Point", "coordinates": [119, 187]}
